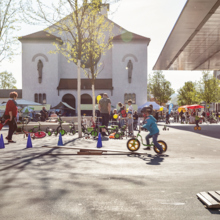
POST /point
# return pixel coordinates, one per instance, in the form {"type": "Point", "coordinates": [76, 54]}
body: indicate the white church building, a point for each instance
{"type": "Point", "coordinates": [58, 80]}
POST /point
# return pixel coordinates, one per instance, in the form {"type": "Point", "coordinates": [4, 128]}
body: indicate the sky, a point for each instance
{"type": "Point", "coordinates": [150, 18]}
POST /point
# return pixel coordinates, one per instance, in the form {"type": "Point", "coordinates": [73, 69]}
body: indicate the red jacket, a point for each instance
{"type": "Point", "coordinates": [11, 107]}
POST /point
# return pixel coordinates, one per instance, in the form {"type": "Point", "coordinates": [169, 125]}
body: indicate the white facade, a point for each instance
{"type": "Point", "coordinates": [36, 47]}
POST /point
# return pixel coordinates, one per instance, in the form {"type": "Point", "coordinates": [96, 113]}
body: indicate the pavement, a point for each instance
{"type": "Point", "coordinates": [57, 184]}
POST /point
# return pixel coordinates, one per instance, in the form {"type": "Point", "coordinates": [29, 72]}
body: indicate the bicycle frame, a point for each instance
{"type": "Point", "coordinates": [146, 145]}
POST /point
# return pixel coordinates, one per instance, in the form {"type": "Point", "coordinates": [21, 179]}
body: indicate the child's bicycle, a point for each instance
{"type": "Point", "coordinates": [38, 133]}
{"type": "Point", "coordinates": [134, 144]}
{"type": "Point", "coordinates": [197, 128]}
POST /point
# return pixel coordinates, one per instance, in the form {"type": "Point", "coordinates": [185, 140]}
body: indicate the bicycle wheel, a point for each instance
{"type": "Point", "coordinates": [117, 136]}
{"type": "Point", "coordinates": [133, 144]}
{"type": "Point", "coordinates": [61, 130]}
{"type": "Point", "coordinates": [199, 128]}
{"type": "Point", "coordinates": [72, 131]}
{"type": "Point", "coordinates": [164, 146]}
{"type": "Point", "coordinates": [40, 134]}
{"type": "Point", "coordinates": [50, 132]}
{"type": "Point", "coordinates": [195, 128]}
{"type": "Point", "coordinates": [94, 133]}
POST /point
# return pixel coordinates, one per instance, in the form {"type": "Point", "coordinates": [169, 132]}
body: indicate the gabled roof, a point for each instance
{"type": "Point", "coordinates": [40, 35]}
{"type": "Point", "coordinates": [129, 36]}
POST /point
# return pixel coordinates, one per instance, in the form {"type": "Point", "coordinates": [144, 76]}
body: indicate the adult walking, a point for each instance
{"type": "Point", "coordinates": [11, 112]}
{"type": "Point", "coordinates": [105, 109]}
{"type": "Point", "coordinates": [181, 116]}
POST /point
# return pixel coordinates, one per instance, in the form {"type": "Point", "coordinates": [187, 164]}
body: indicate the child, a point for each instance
{"type": "Point", "coordinates": [167, 118]}
{"type": "Point", "coordinates": [197, 120]}
{"type": "Point", "coordinates": [135, 117]}
{"type": "Point", "coordinates": [130, 108]}
{"type": "Point", "coordinates": [130, 123]}
{"type": "Point", "coordinates": [151, 126]}
{"type": "Point", "coordinates": [114, 117]}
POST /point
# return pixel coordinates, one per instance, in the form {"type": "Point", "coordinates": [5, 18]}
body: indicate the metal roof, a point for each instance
{"type": "Point", "coordinates": [71, 84]}
{"type": "Point", "coordinates": [194, 43]}
{"type": "Point", "coordinates": [4, 93]}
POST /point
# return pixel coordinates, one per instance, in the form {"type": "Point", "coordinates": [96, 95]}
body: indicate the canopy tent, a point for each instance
{"type": "Point", "coordinates": [184, 107]}
{"type": "Point", "coordinates": [27, 109]}
{"type": "Point", "coordinates": [154, 104]}
{"type": "Point", "coordinates": [195, 106]}
{"type": "Point", "coordinates": [63, 105]}
{"type": "Point", "coordinates": [23, 102]}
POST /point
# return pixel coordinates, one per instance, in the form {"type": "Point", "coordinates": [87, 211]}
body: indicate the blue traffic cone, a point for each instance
{"type": "Point", "coordinates": [60, 141]}
{"type": "Point", "coordinates": [99, 143]}
{"type": "Point", "coordinates": [2, 144]}
{"type": "Point", "coordinates": [29, 143]}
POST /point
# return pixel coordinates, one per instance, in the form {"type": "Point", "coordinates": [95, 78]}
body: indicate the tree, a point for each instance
{"type": "Point", "coordinates": [7, 81]}
{"type": "Point", "coordinates": [85, 34]}
{"type": "Point", "coordinates": [209, 88]}
{"type": "Point", "coordinates": [9, 23]}
{"type": "Point", "coordinates": [160, 88]}
{"type": "Point", "coordinates": [188, 94]}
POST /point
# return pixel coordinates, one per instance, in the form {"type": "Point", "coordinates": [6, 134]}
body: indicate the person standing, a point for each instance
{"type": "Point", "coordinates": [135, 117]}
{"type": "Point", "coordinates": [11, 112]}
{"type": "Point", "coordinates": [181, 116]}
{"type": "Point", "coordinates": [44, 114]}
{"type": "Point", "coordinates": [105, 109]}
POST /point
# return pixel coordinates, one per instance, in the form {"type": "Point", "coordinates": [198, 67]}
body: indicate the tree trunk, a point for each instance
{"type": "Point", "coordinates": [79, 99]}
{"type": "Point", "coordinates": [93, 99]}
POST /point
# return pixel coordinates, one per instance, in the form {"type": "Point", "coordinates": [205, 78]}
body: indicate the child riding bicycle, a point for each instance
{"type": "Point", "coordinates": [151, 126]}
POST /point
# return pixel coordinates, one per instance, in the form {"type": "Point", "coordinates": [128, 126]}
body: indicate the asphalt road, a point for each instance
{"type": "Point", "coordinates": [56, 184]}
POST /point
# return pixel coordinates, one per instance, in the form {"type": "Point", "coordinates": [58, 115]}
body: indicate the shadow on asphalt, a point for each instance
{"type": "Point", "coordinates": [214, 211]}
{"type": "Point", "coordinates": [151, 159]}
{"type": "Point", "coordinates": [206, 130]}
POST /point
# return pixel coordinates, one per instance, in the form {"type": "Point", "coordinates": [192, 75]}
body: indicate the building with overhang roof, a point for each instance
{"type": "Point", "coordinates": [59, 78]}
{"type": "Point", "coordinates": [194, 42]}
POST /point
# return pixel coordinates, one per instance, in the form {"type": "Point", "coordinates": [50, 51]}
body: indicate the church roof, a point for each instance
{"type": "Point", "coordinates": [40, 35]}
{"type": "Point", "coordinates": [129, 36]}
{"type": "Point", "coordinates": [4, 93]}
{"type": "Point", "coordinates": [102, 84]}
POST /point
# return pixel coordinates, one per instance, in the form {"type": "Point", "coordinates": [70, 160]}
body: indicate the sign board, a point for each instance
{"type": "Point", "coordinates": [208, 106]}
{"type": "Point", "coordinates": [170, 108]}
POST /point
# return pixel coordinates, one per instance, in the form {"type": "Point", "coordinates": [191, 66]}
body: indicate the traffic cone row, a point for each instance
{"type": "Point", "coordinates": [99, 143]}
{"type": "Point", "coordinates": [2, 144]}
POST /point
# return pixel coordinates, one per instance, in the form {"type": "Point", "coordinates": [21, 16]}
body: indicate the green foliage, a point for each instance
{"type": "Point", "coordinates": [160, 88]}
{"type": "Point", "coordinates": [7, 81]}
{"type": "Point", "coordinates": [9, 23]}
{"type": "Point", "coordinates": [188, 94]}
{"type": "Point", "coordinates": [209, 88]}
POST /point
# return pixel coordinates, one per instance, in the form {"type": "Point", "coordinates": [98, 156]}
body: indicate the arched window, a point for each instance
{"type": "Point", "coordinates": [44, 98]}
{"type": "Point", "coordinates": [86, 99]}
{"type": "Point", "coordinates": [40, 98]}
{"type": "Point", "coordinates": [36, 99]}
{"type": "Point", "coordinates": [131, 96]}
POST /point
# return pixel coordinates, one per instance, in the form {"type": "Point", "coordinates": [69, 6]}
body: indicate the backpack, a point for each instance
{"type": "Point", "coordinates": [123, 113]}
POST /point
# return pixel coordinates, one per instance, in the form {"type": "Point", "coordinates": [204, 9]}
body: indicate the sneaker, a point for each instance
{"type": "Point", "coordinates": [11, 141]}
{"type": "Point", "coordinates": [147, 148]}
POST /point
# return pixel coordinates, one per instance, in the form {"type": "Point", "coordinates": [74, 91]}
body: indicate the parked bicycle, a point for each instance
{"type": "Point", "coordinates": [37, 131]}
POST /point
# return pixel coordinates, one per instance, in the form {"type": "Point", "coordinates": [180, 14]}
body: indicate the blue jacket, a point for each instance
{"type": "Point", "coordinates": [151, 125]}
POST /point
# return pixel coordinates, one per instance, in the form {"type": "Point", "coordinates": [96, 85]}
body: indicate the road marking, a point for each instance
{"type": "Point", "coordinates": [216, 139]}
{"type": "Point", "coordinates": [175, 203]}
